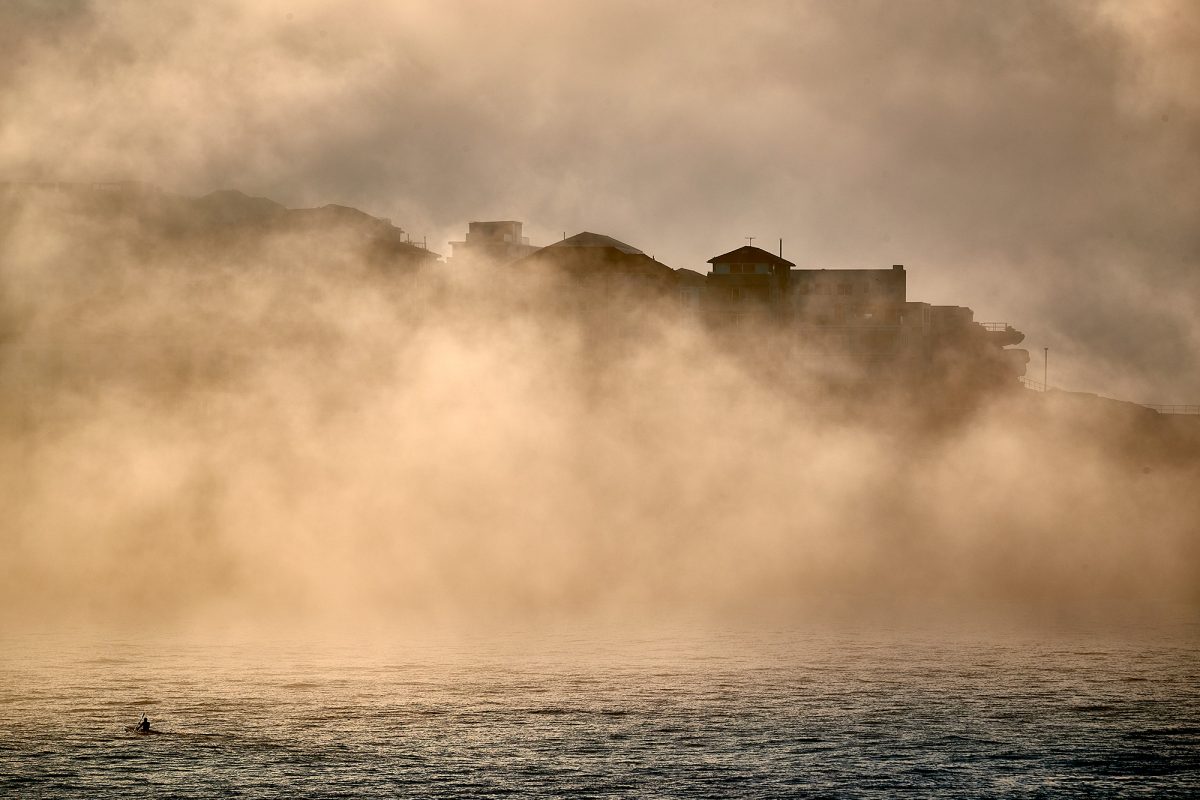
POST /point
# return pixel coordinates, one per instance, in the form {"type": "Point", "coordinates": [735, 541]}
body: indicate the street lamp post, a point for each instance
{"type": "Point", "coordinates": [1045, 368]}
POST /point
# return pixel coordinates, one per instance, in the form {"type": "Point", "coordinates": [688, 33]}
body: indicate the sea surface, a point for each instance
{"type": "Point", "coordinates": [770, 714]}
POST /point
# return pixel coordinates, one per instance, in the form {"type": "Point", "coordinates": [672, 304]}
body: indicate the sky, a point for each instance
{"type": "Point", "coordinates": [1036, 161]}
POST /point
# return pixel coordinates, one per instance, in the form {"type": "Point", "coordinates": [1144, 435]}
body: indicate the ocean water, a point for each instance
{"type": "Point", "coordinates": [768, 714]}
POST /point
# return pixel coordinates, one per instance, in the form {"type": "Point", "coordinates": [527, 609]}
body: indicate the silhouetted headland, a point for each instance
{"type": "Point", "coordinates": [855, 331]}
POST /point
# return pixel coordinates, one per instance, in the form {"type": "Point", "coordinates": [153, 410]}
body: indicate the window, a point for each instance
{"type": "Point", "coordinates": [845, 288]}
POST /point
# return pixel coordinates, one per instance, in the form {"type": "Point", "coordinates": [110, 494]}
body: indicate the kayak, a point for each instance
{"type": "Point", "coordinates": [138, 730]}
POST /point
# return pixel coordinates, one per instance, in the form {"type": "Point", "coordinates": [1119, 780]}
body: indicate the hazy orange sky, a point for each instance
{"type": "Point", "coordinates": [1038, 161]}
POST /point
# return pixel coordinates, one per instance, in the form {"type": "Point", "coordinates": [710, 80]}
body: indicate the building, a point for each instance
{"type": "Point", "coordinates": [862, 314]}
{"type": "Point", "coordinates": [690, 289]}
{"type": "Point", "coordinates": [748, 282]}
{"type": "Point", "coordinates": [496, 242]}
{"type": "Point", "coordinates": [847, 296]}
{"type": "Point", "coordinates": [595, 257]}
{"type": "Point", "coordinates": [766, 307]}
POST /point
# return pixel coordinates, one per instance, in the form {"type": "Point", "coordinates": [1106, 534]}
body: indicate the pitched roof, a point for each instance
{"type": "Point", "coordinates": [684, 275]}
{"type": "Point", "coordinates": [588, 239]}
{"type": "Point", "coordinates": [750, 255]}
{"type": "Point", "coordinates": [593, 254]}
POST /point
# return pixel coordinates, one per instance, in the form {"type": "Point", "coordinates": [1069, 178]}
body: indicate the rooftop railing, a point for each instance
{"type": "Point", "coordinates": [1030, 383]}
{"type": "Point", "coordinates": [1172, 409]}
{"type": "Point", "coordinates": [1038, 386]}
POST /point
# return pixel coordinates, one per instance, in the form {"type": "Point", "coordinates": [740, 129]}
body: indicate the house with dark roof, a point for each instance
{"type": "Point", "coordinates": [598, 240]}
{"type": "Point", "coordinates": [749, 260]}
{"type": "Point", "coordinates": [747, 282]}
{"type": "Point", "coordinates": [595, 256]}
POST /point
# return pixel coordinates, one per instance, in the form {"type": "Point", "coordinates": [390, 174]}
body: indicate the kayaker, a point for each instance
{"type": "Point", "coordinates": [144, 725]}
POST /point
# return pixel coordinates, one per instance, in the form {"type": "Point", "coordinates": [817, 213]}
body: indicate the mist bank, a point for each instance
{"type": "Point", "coordinates": [269, 425]}
{"type": "Point", "coordinates": [1037, 156]}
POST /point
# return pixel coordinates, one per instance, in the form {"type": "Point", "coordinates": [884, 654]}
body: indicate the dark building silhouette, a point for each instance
{"type": "Point", "coordinates": [772, 310]}
{"type": "Point", "coordinates": [863, 315]}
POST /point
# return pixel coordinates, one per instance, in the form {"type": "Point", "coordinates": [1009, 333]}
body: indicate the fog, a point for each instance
{"type": "Point", "coordinates": [277, 432]}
